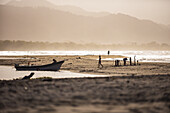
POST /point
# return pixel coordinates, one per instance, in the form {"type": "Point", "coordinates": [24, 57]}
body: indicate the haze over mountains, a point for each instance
{"type": "Point", "coordinates": [45, 3]}
{"type": "Point", "coordinates": [40, 20]}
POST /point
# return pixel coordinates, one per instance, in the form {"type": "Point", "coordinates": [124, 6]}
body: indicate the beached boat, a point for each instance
{"type": "Point", "coordinates": [55, 66]}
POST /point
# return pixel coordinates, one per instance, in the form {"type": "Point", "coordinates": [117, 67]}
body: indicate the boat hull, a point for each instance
{"type": "Point", "coordinates": [49, 67]}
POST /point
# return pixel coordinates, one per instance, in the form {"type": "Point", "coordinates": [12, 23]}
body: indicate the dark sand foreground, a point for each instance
{"type": "Point", "coordinates": [140, 94]}
{"type": "Point", "coordinates": [132, 89]}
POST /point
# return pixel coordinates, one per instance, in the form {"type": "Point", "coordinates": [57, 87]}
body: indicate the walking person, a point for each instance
{"type": "Point", "coordinates": [100, 62]}
{"type": "Point", "coordinates": [108, 52]}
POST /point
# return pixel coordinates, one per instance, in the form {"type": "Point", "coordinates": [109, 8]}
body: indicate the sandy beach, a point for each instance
{"type": "Point", "coordinates": [144, 88]}
{"type": "Point", "coordinates": [89, 64]}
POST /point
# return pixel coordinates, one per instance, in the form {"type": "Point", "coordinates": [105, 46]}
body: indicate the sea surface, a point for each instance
{"type": "Point", "coordinates": [9, 73]}
{"type": "Point", "coordinates": [142, 56]}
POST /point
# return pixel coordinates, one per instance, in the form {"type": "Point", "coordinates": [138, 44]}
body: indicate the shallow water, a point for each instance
{"type": "Point", "coordinates": [142, 56]}
{"type": "Point", "coordinates": [9, 73]}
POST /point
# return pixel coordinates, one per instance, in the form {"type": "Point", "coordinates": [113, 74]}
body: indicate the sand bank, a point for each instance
{"type": "Point", "coordinates": [89, 64]}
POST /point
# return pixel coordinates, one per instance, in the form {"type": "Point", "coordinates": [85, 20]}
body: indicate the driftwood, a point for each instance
{"type": "Point", "coordinates": [28, 77]}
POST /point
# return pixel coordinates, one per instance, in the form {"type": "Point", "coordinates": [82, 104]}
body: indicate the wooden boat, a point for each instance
{"type": "Point", "coordinates": [55, 66]}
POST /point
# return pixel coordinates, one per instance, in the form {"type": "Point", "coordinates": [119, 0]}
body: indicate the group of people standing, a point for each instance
{"type": "Point", "coordinates": [117, 62]}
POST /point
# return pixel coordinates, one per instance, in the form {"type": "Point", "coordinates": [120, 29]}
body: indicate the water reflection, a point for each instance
{"type": "Point", "coordinates": [9, 72]}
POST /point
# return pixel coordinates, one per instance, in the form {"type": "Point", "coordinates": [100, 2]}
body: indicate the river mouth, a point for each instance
{"type": "Point", "coordinates": [10, 73]}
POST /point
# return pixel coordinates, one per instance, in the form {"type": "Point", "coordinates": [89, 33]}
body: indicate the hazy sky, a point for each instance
{"type": "Point", "coordinates": [156, 10]}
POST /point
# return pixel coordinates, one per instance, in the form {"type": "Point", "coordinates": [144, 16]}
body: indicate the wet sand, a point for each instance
{"type": "Point", "coordinates": [132, 89]}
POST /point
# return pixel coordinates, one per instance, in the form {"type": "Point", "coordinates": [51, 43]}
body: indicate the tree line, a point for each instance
{"type": "Point", "coordinates": [9, 45]}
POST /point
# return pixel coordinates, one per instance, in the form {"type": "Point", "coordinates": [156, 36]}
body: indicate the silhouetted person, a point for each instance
{"type": "Point", "coordinates": [54, 61]}
{"type": "Point", "coordinates": [117, 62]}
{"type": "Point", "coordinates": [100, 62]}
{"type": "Point", "coordinates": [124, 61]}
{"type": "Point", "coordinates": [130, 61]}
{"type": "Point", "coordinates": [134, 60]}
{"type": "Point", "coordinates": [137, 62]}
{"type": "Point", "coordinates": [108, 52]}
{"type": "Point", "coordinates": [28, 77]}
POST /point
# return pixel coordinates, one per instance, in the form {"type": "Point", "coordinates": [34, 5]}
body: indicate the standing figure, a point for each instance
{"type": "Point", "coordinates": [130, 60]}
{"type": "Point", "coordinates": [124, 61]}
{"type": "Point", "coordinates": [135, 60]}
{"type": "Point", "coordinates": [108, 52]}
{"type": "Point", "coordinates": [117, 63]}
{"type": "Point", "coordinates": [100, 62]}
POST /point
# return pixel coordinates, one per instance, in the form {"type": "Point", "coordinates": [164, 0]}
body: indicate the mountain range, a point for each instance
{"type": "Point", "coordinates": [65, 8]}
{"type": "Point", "coordinates": [40, 20]}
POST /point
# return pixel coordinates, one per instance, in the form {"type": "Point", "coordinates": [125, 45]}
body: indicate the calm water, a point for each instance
{"type": "Point", "coordinates": [142, 56]}
{"type": "Point", "coordinates": [9, 72]}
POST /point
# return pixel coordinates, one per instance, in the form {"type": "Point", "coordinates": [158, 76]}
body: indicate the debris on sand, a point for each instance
{"type": "Point", "coordinates": [28, 77]}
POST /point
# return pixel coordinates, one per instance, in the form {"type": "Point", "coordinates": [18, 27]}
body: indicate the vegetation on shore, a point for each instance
{"type": "Point", "coordinates": [8, 45]}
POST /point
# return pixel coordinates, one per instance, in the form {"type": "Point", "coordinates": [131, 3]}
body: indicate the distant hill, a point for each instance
{"type": "Point", "coordinates": [31, 3]}
{"type": "Point", "coordinates": [7, 45]}
{"type": "Point", "coordinates": [45, 3]}
{"type": "Point", "coordinates": [44, 24]}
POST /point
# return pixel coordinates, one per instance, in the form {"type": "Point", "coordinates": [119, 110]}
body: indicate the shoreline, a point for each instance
{"type": "Point", "coordinates": [46, 78]}
{"type": "Point", "coordinates": [63, 75]}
